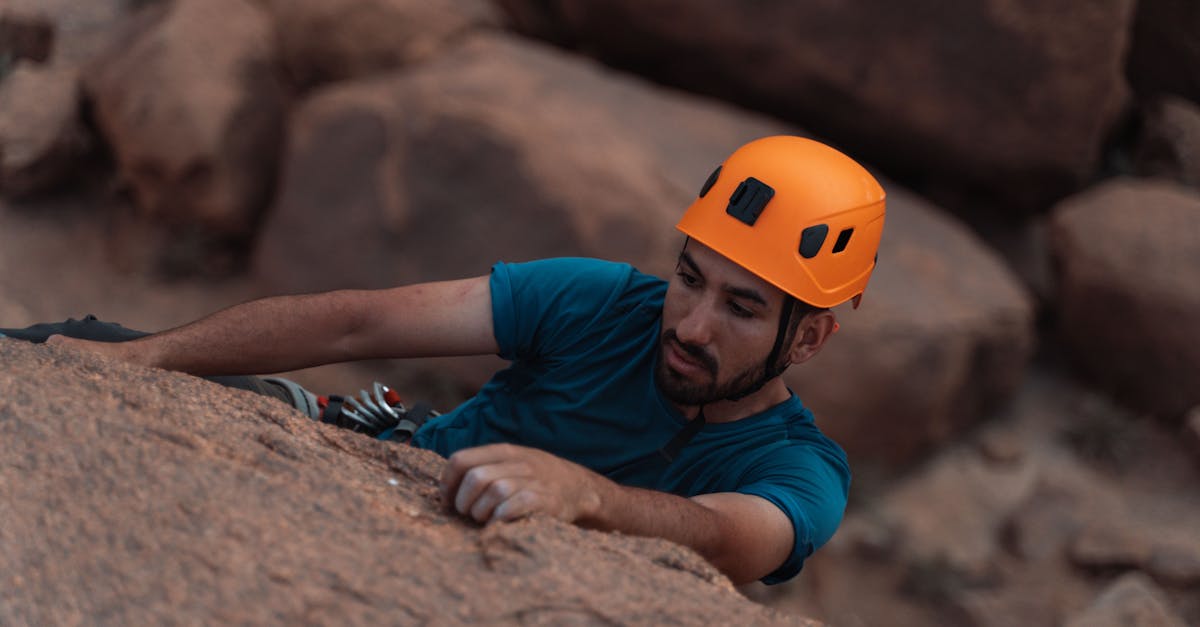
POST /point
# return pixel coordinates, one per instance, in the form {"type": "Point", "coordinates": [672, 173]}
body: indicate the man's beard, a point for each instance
{"type": "Point", "coordinates": [682, 391]}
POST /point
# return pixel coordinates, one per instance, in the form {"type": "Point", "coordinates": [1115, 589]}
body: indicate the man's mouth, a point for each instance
{"type": "Point", "coordinates": [683, 360]}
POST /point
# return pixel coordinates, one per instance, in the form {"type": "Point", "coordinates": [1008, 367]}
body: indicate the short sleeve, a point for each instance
{"type": "Point", "coordinates": [540, 307]}
{"type": "Point", "coordinates": [809, 482]}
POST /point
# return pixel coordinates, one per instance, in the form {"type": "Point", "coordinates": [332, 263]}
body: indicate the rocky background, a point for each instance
{"type": "Point", "coordinates": [1019, 393]}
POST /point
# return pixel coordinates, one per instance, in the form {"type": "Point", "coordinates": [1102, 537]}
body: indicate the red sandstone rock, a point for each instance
{"type": "Point", "coordinates": [1164, 52]}
{"type": "Point", "coordinates": [502, 150]}
{"type": "Point", "coordinates": [1128, 299]}
{"type": "Point", "coordinates": [193, 110]}
{"type": "Point", "coordinates": [950, 513]}
{"type": "Point", "coordinates": [1131, 601]}
{"type": "Point", "coordinates": [942, 338]}
{"type": "Point", "coordinates": [25, 36]}
{"type": "Point", "coordinates": [1105, 544]}
{"type": "Point", "coordinates": [1175, 562]}
{"type": "Point", "coordinates": [1061, 505]}
{"type": "Point", "coordinates": [42, 137]}
{"type": "Point", "coordinates": [63, 33]}
{"type": "Point", "coordinates": [1169, 146]}
{"type": "Point", "coordinates": [136, 496]}
{"type": "Point", "coordinates": [331, 40]}
{"type": "Point", "coordinates": [1017, 95]}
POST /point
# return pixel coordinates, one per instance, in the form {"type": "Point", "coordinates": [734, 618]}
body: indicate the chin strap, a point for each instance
{"type": "Point", "coordinates": [773, 368]}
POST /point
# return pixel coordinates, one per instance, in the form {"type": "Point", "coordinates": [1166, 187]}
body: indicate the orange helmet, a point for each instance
{"type": "Point", "coordinates": [797, 213]}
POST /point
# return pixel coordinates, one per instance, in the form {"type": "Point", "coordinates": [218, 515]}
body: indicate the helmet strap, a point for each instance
{"type": "Point", "coordinates": [772, 368]}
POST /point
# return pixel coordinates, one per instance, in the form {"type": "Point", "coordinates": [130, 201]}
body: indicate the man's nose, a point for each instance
{"type": "Point", "coordinates": [695, 328]}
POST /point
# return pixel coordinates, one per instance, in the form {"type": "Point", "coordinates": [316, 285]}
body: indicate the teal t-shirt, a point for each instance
{"type": "Point", "coordinates": [583, 339]}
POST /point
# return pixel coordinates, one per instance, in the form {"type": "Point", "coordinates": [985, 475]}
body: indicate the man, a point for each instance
{"type": "Point", "coordinates": [634, 404]}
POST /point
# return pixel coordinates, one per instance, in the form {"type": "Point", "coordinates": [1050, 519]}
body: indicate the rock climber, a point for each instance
{"type": "Point", "coordinates": [632, 403]}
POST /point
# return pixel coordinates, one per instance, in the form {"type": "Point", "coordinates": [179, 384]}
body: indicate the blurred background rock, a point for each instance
{"type": "Point", "coordinates": [1018, 394]}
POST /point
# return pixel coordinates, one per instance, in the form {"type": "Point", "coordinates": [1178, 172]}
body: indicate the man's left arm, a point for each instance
{"type": "Point", "coordinates": [746, 537]}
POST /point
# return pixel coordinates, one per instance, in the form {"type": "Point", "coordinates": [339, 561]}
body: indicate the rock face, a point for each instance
{"type": "Point", "coordinates": [1170, 143]}
{"type": "Point", "coordinates": [1131, 601]}
{"type": "Point", "coordinates": [1191, 431]}
{"type": "Point", "coordinates": [328, 40]}
{"type": "Point", "coordinates": [1017, 524]}
{"type": "Point", "coordinates": [1165, 52]}
{"type": "Point", "coordinates": [1130, 307]}
{"type": "Point", "coordinates": [41, 135]}
{"type": "Point", "coordinates": [25, 37]}
{"type": "Point", "coordinates": [192, 107]}
{"type": "Point", "coordinates": [64, 33]}
{"type": "Point", "coordinates": [997, 92]}
{"type": "Point", "coordinates": [942, 309]}
{"type": "Point", "coordinates": [502, 150]}
{"type": "Point", "coordinates": [135, 496]}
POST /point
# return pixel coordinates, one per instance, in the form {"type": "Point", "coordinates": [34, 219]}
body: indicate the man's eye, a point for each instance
{"type": "Point", "coordinates": [739, 310]}
{"type": "Point", "coordinates": [688, 279]}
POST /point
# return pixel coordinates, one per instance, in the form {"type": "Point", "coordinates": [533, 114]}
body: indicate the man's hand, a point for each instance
{"type": "Point", "coordinates": [745, 536]}
{"type": "Point", "coordinates": [506, 482]}
{"type": "Point", "coordinates": [115, 350]}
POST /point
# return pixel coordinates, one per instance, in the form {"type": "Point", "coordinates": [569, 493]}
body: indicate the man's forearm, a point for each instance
{"type": "Point", "coordinates": [651, 513]}
{"type": "Point", "coordinates": [745, 536]}
{"type": "Point", "coordinates": [258, 337]}
{"type": "Point", "coordinates": [292, 332]}
{"type": "Point", "coordinates": [712, 534]}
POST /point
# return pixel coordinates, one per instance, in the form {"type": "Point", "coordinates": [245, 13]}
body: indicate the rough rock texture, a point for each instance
{"type": "Point", "coordinates": [1169, 145]}
{"type": "Point", "coordinates": [898, 81]}
{"type": "Point", "coordinates": [941, 308]}
{"type": "Point", "coordinates": [604, 166]}
{"type": "Point", "coordinates": [1129, 302]}
{"type": "Point", "coordinates": [41, 135]}
{"type": "Point", "coordinates": [326, 40]}
{"type": "Point", "coordinates": [193, 109]}
{"type": "Point", "coordinates": [133, 496]}
{"type": "Point", "coordinates": [1016, 95]}
{"type": "Point", "coordinates": [1165, 51]}
{"type": "Point", "coordinates": [1131, 601]}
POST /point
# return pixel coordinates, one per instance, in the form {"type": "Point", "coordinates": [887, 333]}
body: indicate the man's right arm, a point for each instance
{"type": "Point", "coordinates": [292, 332]}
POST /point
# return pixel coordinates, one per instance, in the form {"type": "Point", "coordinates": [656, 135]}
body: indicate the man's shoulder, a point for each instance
{"type": "Point", "coordinates": [576, 268]}
{"type": "Point", "coordinates": [798, 438]}
{"type": "Point", "coordinates": [579, 279]}
{"type": "Point", "coordinates": [556, 306]}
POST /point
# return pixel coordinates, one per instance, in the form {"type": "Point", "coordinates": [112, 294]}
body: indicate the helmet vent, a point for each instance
{"type": "Point", "coordinates": [749, 199]}
{"type": "Point", "coordinates": [712, 180]}
{"type": "Point", "coordinates": [811, 240]}
{"type": "Point", "coordinates": [842, 240]}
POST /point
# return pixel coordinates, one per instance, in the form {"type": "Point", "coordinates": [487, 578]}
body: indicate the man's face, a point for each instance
{"type": "Point", "coordinates": [719, 324]}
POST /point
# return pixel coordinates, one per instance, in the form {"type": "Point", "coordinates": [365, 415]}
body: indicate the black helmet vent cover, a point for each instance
{"type": "Point", "coordinates": [712, 179]}
{"type": "Point", "coordinates": [749, 199]}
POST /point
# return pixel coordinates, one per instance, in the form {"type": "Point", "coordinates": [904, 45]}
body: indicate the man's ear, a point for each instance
{"type": "Point", "coordinates": [814, 329]}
